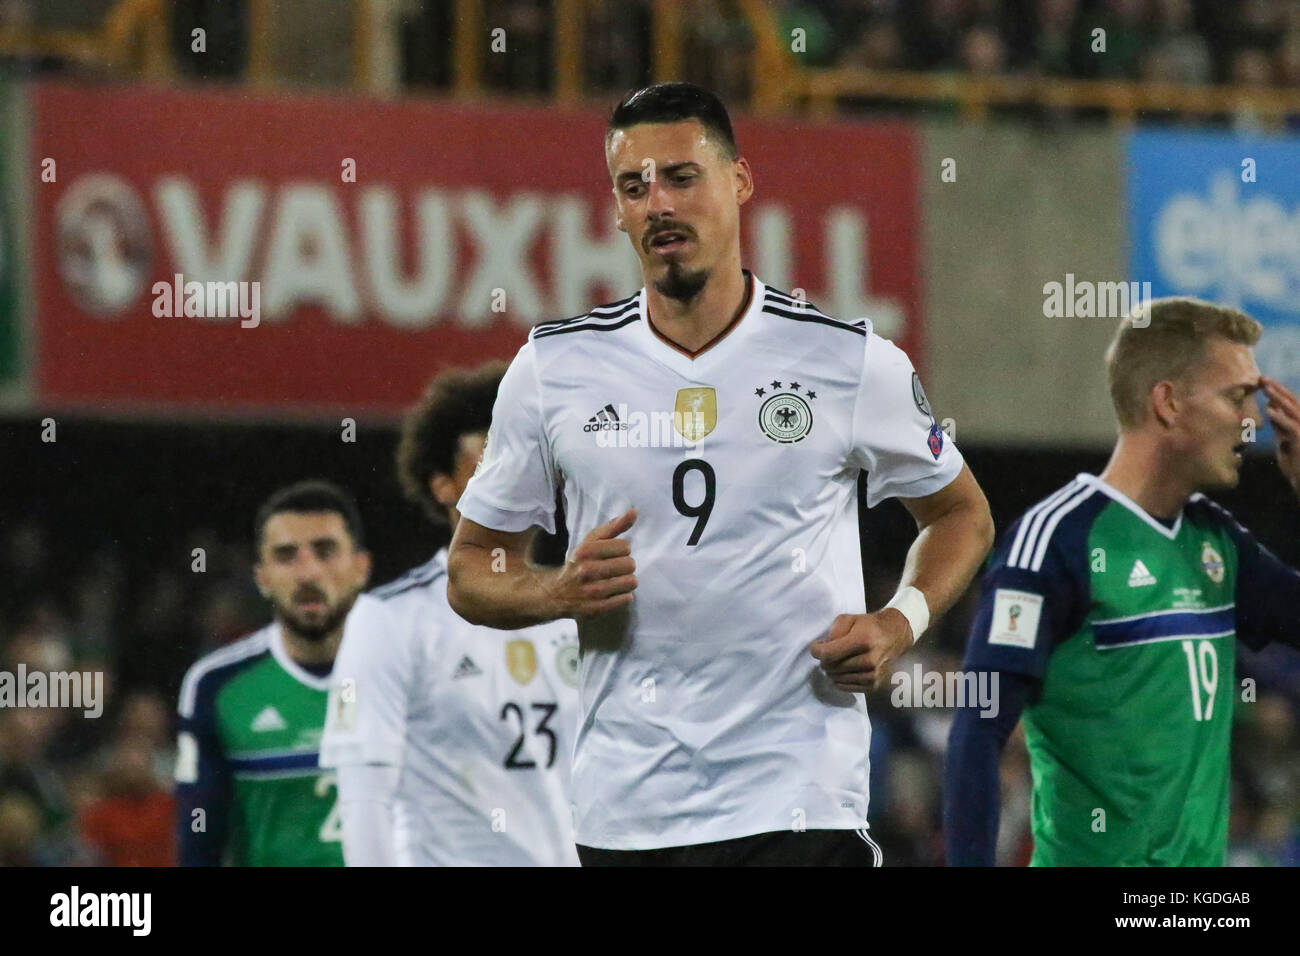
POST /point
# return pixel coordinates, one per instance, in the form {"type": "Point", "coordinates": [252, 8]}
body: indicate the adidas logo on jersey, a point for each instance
{"type": "Point", "coordinates": [1140, 577]}
{"type": "Point", "coordinates": [269, 719]}
{"type": "Point", "coordinates": [466, 668]}
{"type": "Point", "coordinates": [605, 420]}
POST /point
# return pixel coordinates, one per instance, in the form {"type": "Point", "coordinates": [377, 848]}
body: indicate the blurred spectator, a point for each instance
{"type": "Point", "coordinates": [1127, 29]}
{"type": "Point", "coordinates": [911, 838]}
{"type": "Point", "coordinates": [133, 823]}
{"type": "Point", "coordinates": [616, 46]}
{"type": "Point", "coordinates": [718, 50]}
{"type": "Point", "coordinates": [982, 51]}
{"type": "Point", "coordinates": [427, 37]}
{"type": "Point", "coordinates": [1288, 69]}
{"type": "Point", "coordinates": [20, 831]}
{"type": "Point", "coordinates": [1269, 750]}
{"type": "Point", "coordinates": [878, 47]}
{"type": "Point", "coordinates": [849, 18]}
{"type": "Point", "coordinates": [225, 38]}
{"type": "Point", "coordinates": [34, 808]}
{"type": "Point", "coordinates": [25, 566]}
{"type": "Point", "coordinates": [1288, 61]}
{"type": "Point", "coordinates": [146, 721]}
{"type": "Point", "coordinates": [815, 46]}
{"type": "Point", "coordinates": [1260, 24]}
{"type": "Point", "coordinates": [1177, 54]}
{"type": "Point", "coordinates": [519, 57]}
{"type": "Point", "coordinates": [1060, 43]}
{"type": "Point", "coordinates": [96, 596]}
{"type": "Point", "coordinates": [933, 34]}
{"type": "Point", "coordinates": [1266, 791]}
{"type": "Point", "coordinates": [1252, 68]}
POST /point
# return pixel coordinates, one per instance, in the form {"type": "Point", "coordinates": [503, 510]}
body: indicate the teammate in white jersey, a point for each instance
{"type": "Point", "coordinates": [452, 742]}
{"type": "Point", "coordinates": [708, 434]}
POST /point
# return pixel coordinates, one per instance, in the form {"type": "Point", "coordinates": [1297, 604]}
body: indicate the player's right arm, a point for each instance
{"type": "Point", "coordinates": [512, 493]}
{"type": "Point", "coordinates": [1045, 603]}
{"type": "Point", "coordinates": [491, 581]}
{"type": "Point", "coordinates": [203, 780]}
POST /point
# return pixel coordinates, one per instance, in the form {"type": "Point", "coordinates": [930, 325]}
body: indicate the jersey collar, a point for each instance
{"type": "Point", "coordinates": [1119, 496]}
{"type": "Point", "coordinates": [684, 364]}
{"type": "Point", "coordinates": [294, 669]}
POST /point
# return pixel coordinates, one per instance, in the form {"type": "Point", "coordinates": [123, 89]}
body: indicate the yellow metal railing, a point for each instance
{"type": "Point", "coordinates": [468, 40]}
{"type": "Point", "coordinates": [974, 97]}
{"type": "Point", "coordinates": [134, 41]}
{"type": "Point", "coordinates": [774, 77]}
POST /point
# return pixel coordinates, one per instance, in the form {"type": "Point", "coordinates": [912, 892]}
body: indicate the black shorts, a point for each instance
{"type": "Point", "coordinates": [784, 848]}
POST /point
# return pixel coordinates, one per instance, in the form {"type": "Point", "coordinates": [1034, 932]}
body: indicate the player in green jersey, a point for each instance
{"type": "Point", "coordinates": [1110, 614]}
{"type": "Point", "coordinates": [249, 791]}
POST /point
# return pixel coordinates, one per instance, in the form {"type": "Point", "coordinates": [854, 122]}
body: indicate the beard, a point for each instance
{"type": "Point", "coordinates": [681, 285]}
{"type": "Point", "coordinates": [313, 627]}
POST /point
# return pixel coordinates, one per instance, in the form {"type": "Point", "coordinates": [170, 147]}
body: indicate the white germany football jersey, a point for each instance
{"type": "Point", "coordinates": [703, 715]}
{"type": "Point", "coordinates": [480, 721]}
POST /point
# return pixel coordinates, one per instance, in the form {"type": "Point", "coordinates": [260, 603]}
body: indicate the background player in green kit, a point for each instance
{"type": "Point", "coordinates": [249, 791]}
{"type": "Point", "coordinates": [1110, 614]}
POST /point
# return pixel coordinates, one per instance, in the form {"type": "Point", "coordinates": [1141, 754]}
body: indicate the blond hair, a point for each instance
{"type": "Point", "coordinates": [1162, 341]}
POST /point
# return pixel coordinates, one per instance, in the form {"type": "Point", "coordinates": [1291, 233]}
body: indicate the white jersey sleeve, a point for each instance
{"type": "Point", "coordinates": [365, 722]}
{"type": "Point", "coordinates": [514, 485]}
{"type": "Point", "coordinates": [895, 437]}
{"type": "Point", "coordinates": [366, 798]}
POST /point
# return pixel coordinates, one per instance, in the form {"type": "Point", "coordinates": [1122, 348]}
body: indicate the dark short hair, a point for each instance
{"type": "Point", "coordinates": [456, 403]}
{"type": "Point", "coordinates": [308, 497]}
{"type": "Point", "coordinates": [672, 103]}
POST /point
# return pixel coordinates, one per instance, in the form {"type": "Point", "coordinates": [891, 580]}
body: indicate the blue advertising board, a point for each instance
{"type": "Point", "coordinates": [1217, 216]}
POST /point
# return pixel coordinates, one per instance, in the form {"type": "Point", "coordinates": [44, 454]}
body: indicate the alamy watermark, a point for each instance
{"type": "Point", "coordinates": [620, 428]}
{"type": "Point", "coordinates": [79, 690]}
{"type": "Point", "coordinates": [945, 689]}
{"type": "Point", "coordinates": [208, 300]}
{"type": "Point", "coordinates": [1083, 299]}
{"type": "Point", "coordinates": [133, 911]}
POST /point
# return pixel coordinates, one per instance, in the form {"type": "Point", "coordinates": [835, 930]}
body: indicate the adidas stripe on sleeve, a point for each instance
{"type": "Point", "coordinates": [1039, 568]}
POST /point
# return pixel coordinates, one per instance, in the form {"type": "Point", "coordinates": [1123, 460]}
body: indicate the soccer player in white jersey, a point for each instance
{"type": "Point", "coordinates": [708, 434]}
{"type": "Point", "coordinates": [452, 742]}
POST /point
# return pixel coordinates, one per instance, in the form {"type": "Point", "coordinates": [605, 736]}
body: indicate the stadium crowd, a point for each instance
{"type": "Point", "coordinates": [1252, 43]}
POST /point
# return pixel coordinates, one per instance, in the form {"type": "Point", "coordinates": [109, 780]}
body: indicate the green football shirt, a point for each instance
{"type": "Point", "coordinates": [249, 788]}
{"type": "Point", "coordinates": [1128, 627]}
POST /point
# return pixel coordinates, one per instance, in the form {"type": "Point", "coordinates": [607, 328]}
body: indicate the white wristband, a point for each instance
{"type": "Point", "coordinates": [910, 602]}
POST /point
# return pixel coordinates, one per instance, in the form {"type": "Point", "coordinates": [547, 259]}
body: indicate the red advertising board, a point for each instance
{"type": "Point", "coordinates": [383, 241]}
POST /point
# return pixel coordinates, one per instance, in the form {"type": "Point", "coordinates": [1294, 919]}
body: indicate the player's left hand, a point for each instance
{"type": "Point", "coordinates": [1284, 412]}
{"type": "Point", "coordinates": [855, 652]}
